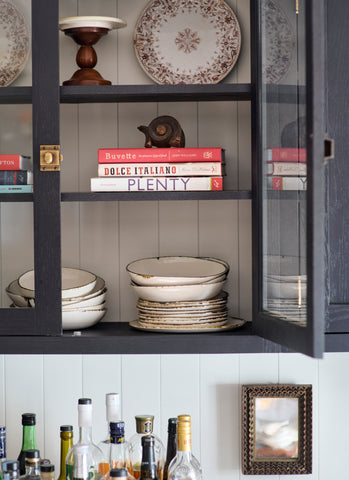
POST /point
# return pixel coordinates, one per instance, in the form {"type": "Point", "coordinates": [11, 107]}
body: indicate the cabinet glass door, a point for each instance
{"type": "Point", "coordinates": [289, 239]}
{"type": "Point", "coordinates": [30, 220]}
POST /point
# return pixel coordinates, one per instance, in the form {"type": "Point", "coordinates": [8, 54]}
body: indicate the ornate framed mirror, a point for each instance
{"type": "Point", "coordinates": [276, 429]}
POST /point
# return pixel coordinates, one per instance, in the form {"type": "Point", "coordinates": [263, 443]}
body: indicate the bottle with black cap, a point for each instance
{"type": "Point", "coordinates": [66, 434]}
{"type": "Point", "coordinates": [171, 444]}
{"type": "Point", "coordinates": [149, 470]}
{"type": "Point", "coordinates": [118, 473]}
{"type": "Point", "coordinates": [28, 438]}
{"type": "Point", "coordinates": [11, 467]}
{"type": "Point", "coordinates": [32, 465]}
{"type": "Point", "coordinates": [47, 471]}
{"type": "Point", "coordinates": [94, 454]}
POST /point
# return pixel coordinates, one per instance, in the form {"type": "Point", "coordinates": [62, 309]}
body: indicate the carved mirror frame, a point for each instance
{"type": "Point", "coordinates": [302, 462]}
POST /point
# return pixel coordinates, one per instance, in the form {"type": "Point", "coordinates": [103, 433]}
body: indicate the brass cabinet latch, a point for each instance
{"type": "Point", "coordinates": [50, 158]}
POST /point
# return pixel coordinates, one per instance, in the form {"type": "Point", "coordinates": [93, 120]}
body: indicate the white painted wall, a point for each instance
{"type": "Point", "coordinates": [206, 386]}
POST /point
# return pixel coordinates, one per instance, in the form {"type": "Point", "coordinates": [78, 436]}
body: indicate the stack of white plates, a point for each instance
{"type": "Point", "coordinates": [83, 296]}
{"type": "Point", "coordinates": [180, 294]}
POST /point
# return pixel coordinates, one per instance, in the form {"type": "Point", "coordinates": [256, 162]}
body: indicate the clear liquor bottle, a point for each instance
{"type": "Point", "coordinates": [95, 455]}
{"type": "Point", "coordinates": [47, 471]}
{"type": "Point", "coordinates": [184, 465]}
{"type": "Point", "coordinates": [32, 465]}
{"type": "Point", "coordinates": [113, 414]}
{"type": "Point", "coordinates": [118, 445]}
{"type": "Point", "coordinates": [28, 438]}
{"type": "Point", "coordinates": [66, 435]}
{"type": "Point", "coordinates": [144, 427]}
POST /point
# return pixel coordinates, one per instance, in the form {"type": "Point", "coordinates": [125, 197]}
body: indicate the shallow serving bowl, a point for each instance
{"type": "Point", "coordinates": [178, 293]}
{"type": "Point", "coordinates": [158, 271]}
{"type": "Point", "coordinates": [91, 21]}
{"type": "Point", "coordinates": [14, 291]}
{"type": "Point", "coordinates": [287, 290]}
{"type": "Point", "coordinates": [75, 283]}
{"type": "Point", "coordinates": [79, 319]}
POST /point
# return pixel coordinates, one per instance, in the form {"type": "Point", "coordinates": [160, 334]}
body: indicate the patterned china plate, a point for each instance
{"type": "Point", "coordinates": [14, 43]}
{"type": "Point", "coordinates": [187, 41]}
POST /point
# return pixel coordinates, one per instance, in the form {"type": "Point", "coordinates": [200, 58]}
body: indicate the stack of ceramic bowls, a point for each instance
{"type": "Point", "coordinates": [179, 292]}
{"type": "Point", "coordinates": [83, 296]}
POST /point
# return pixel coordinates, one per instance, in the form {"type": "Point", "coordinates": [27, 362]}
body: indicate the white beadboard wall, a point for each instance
{"type": "Point", "coordinates": [206, 386]}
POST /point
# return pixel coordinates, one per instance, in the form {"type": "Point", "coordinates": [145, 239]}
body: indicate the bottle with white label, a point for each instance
{"type": "Point", "coordinates": [113, 414]}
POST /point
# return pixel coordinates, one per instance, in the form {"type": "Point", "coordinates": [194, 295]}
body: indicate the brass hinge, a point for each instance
{"type": "Point", "coordinates": [50, 158]}
{"type": "Point", "coordinates": [328, 148]}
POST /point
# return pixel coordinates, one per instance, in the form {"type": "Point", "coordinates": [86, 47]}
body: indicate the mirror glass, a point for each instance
{"type": "Point", "coordinates": [277, 429]}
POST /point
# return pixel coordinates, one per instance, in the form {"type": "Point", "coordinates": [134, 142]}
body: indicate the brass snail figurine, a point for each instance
{"type": "Point", "coordinates": [164, 131]}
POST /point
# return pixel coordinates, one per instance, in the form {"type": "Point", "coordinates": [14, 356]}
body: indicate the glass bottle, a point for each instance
{"type": "Point", "coordinates": [149, 470]}
{"type": "Point", "coordinates": [28, 438]}
{"type": "Point", "coordinates": [184, 465]}
{"type": "Point", "coordinates": [2, 447]}
{"type": "Point", "coordinates": [118, 446]}
{"type": "Point", "coordinates": [113, 414]}
{"type": "Point", "coordinates": [144, 426]}
{"type": "Point", "coordinates": [32, 465]}
{"type": "Point", "coordinates": [119, 473]}
{"type": "Point", "coordinates": [11, 467]}
{"type": "Point", "coordinates": [171, 444]}
{"type": "Point", "coordinates": [47, 471]}
{"type": "Point", "coordinates": [95, 455]}
{"type": "Point", "coordinates": [82, 462]}
{"type": "Point", "coordinates": [66, 434]}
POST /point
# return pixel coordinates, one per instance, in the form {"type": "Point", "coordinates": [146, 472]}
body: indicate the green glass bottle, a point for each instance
{"type": "Point", "coordinates": [66, 433]}
{"type": "Point", "coordinates": [28, 438]}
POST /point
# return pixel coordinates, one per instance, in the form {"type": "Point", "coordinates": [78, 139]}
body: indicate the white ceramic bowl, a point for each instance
{"type": "Point", "coordinates": [79, 319]}
{"type": "Point", "coordinates": [178, 293]}
{"type": "Point", "coordinates": [75, 283]}
{"type": "Point", "coordinates": [98, 289]}
{"type": "Point", "coordinates": [15, 293]}
{"type": "Point", "coordinates": [286, 290]}
{"type": "Point", "coordinates": [175, 270]}
{"type": "Point", "coordinates": [91, 21]}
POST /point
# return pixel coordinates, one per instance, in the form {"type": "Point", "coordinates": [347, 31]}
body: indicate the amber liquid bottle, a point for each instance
{"type": "Point", "coordinates": [149, 470]}
{"type": "Point", "coordinates": [171, 444]}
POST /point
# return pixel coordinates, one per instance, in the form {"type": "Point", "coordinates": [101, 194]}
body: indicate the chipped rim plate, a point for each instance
{"type": "Point", "coordinates": [181, 42]}
{"type": "Point", "coordinates": [110, 23]}
{"type": "Point", "coordinates": [231, 323]}
{"type": "Point", "coordinates": [15, 39]}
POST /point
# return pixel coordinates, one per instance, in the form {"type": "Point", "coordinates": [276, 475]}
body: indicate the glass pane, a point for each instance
{"type": "Point", "coordinates": [284, 159]}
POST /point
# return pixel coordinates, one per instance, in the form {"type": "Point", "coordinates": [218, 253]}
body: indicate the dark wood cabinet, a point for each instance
{"type": "Point", "coordinates": [38, 330]}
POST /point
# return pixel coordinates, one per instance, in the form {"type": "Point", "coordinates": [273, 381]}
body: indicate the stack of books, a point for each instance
{"type": "Point", "coordinates": [158, 169]}
{"type": "Point", "coordinates": [16, 173]}
{"type": "Point", "coordinates": [286, 168]}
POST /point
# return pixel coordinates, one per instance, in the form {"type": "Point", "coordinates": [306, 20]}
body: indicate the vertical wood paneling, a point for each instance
{"type": "Point", "coordinates": [298, 369]}
{"type": "Point", "coordinates": [23, 393]}
{"type": "Point", "coordinates": [180, 393]}
{"type": "Point", "coordinates": [333, 415]}
{"type": "Point", "coordinates": [141, 390]}
{"type": "Point", "coordinates": [2, 391]}
{"type": "Point", "coordinates": [62, 389]}
{"type": "Point", "coordinates": [255, 369]}
{"type": "Point", "coordinates": [220, 419]}
{"type": "Point", "coordinates": [101, 374]}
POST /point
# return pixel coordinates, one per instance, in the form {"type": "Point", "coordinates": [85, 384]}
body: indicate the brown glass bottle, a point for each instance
{"type": "Point", "coordinates": [171, 444]}
{"type": "Point", "coordinates": [149, 469]}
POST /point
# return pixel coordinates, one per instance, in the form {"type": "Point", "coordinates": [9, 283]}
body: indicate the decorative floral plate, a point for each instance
{"type": "Point", "coordinates": [280, 42]}
{"type": "Point", "coordinates": [187, 41]}
{"type": "Point", "coordinates": [14, 43]}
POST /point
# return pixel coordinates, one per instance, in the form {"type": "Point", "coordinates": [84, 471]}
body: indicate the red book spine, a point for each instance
{"type": "Point", "coordinates": [10, 162]}
{"type": "Point", "coordinates": [287, 154]}
{"type": "Point", "coordinates": [155, 155]}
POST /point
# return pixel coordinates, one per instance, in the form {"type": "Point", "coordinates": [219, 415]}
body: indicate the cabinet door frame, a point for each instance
{"type": "Point", "coordinates": [45, 318]}
{"type": "Point", "coordinates": [309, 339]}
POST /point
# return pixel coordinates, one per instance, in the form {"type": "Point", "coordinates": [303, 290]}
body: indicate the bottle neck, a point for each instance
{"type": "Point", "coordinates": [66, 445]}
{"type": "Point", "coordinates": [85, 434]}
{"type": "Point", "coordinates": [29, 438]}
{"type": "Point", "coordinates": [32, 469]}
{"type": "Point", "coordinates": [148, 465]}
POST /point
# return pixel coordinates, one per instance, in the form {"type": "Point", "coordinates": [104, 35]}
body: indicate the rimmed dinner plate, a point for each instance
{"type": "Point", "coordinates": [110, 23]}
{"type": "Point", "coordinates": [15, 43]}
{"type": "Point", "coordinates": [181, 42]}
{"type": "Point", "coordinates": [230, 324]}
